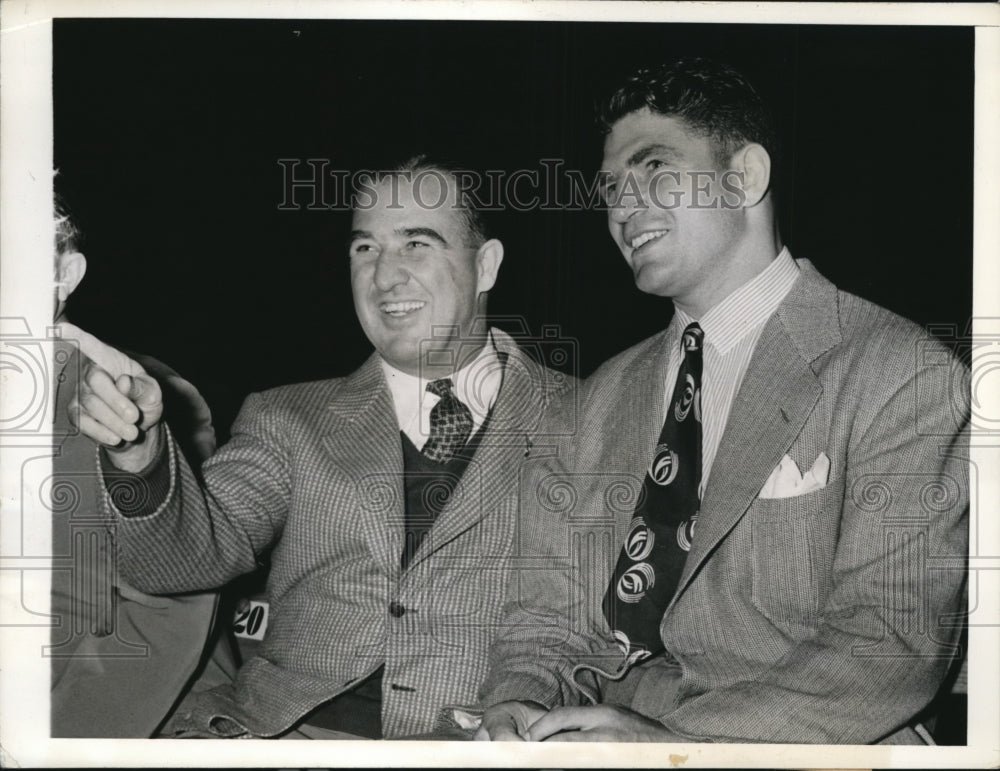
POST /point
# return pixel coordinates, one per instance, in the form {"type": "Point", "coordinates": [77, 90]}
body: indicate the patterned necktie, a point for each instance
{"type": "Point", "coordinates": [659, 536]}
{"type": "Point", "coordinates": [451, 423]}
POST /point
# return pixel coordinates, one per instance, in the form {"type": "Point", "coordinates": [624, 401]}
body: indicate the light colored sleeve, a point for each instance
{"type": "Point", "coordinates": [200, 536]}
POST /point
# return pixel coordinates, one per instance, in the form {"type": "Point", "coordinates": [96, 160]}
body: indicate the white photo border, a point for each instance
{"type": "Point", "coordinates": [26, 235]}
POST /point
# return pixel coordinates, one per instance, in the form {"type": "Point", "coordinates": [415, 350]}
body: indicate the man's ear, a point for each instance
{"type": "Point", "coordinates": [488, 259]}
{"type": "Point", "coordinates": [754, 164]}
{"type": "Point", "coordinates": [69, 273]}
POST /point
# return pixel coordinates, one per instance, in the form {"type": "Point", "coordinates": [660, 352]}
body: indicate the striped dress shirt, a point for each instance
{"type": "Point", "coordinates": [732, 328]}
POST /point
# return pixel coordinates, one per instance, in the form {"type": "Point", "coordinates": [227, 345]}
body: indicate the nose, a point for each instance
{"type": "Point", "coordinates": [627, 204]}
{"type": "Point", "coordinates": [621, 214]}
{"type": "Point", "coordinates": [390, 270]}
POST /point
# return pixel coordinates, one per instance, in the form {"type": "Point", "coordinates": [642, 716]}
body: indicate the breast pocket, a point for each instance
{"type": "Point", "coordinates": [793, 542]}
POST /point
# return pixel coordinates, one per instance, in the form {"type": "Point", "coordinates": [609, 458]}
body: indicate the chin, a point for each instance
{"type": "Point", "coordinates": [648, 282]}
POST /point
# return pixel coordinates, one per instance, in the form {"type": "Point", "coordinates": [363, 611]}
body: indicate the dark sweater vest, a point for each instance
{"type": "Point", "coordinates": [428, 487]}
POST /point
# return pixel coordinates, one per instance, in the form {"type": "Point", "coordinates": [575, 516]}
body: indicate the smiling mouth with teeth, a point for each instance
{"type": "Point", "coordinates": [643, 238]}
{"type": "Point", "coordinates": [401, 308]}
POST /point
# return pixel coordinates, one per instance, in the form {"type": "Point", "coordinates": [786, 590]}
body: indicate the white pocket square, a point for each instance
{"type": "Point", "coordinates": [786, 481]}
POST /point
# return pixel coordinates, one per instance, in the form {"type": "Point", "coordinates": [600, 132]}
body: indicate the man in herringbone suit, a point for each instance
{"type": "Point", "coordinates": [388, 496]}
{"type": "Point", "coordinates": [808, 588]}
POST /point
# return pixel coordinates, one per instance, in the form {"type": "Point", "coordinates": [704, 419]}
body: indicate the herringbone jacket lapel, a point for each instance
{"type": "Point", "coordinates": [776, 397]}
{"type": "Point", "coordinates": [364, 420]}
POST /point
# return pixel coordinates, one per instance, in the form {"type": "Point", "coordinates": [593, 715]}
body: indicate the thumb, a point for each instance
{"type": "Point", "coordinates": [145, 393]}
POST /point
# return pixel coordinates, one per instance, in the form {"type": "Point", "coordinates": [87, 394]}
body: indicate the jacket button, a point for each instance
{"type": "Point", "coordinates": [396, 609]}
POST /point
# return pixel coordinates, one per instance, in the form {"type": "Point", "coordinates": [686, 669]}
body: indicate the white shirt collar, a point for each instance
{"type": "Point", "coordinates": [476, 385]}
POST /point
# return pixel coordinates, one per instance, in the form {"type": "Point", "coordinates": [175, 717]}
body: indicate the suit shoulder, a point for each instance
{"type": "Point", "coordinates": [555, 382]}
{"type": "Point", "coordinates": [622, 365]}
{"type": "Point", "coordinates": [859, 318]}
{"type": "Point", "coordinates": [548, 381]}
{"type": "Point", "coordinates": [885, 338]}
{"type": "Point", "coordinates": [297, 397]}
{"type": "Point", "coordinates": [595, 394]}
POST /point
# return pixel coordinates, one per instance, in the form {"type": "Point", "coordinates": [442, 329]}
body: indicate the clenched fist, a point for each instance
{"type": "Point", "coordinates": [117, 405]}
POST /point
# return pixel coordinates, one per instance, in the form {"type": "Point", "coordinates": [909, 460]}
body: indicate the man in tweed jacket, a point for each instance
{"type": "Point", "coordinates": [820, 597]}
{"type": "Point", "coordinates": [358, 595]}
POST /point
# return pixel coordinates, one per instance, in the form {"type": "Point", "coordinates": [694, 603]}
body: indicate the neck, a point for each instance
{"type": "Point", "coordinates": [464, 355]}
{"type": "Point", "coordinates": [452, 358]}
{"type": "Point", "coordinates": [750, 259]}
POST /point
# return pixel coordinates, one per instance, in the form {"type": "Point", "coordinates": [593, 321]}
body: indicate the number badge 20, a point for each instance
{"type": "Point", "coordinates": [251, 620]}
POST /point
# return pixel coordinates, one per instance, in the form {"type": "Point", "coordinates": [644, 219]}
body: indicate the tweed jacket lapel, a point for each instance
{"type": "Point", "coordinates": [365, 422]}
{"type": "Point", "coordinates": [493, 471]}
{"type": "Point", "coordinates": [641, 402]}
{"type": "Point", "coordinates": [777, 395]}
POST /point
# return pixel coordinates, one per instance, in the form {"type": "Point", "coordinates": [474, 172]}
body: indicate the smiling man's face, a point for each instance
{"type": "Point", "coordinates": [416, 275]}
{"type": "Point", "coordinates": [680, 242]}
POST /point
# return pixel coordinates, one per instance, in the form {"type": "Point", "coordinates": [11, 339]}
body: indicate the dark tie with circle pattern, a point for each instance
{"type": "Point", "coordinates": [451, 423]}
{"type": "Point", "coordinates": [659, 536]}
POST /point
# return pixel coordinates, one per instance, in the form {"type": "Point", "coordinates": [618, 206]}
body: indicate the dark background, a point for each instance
{"type": "Point", "coordinates": [168, 133]}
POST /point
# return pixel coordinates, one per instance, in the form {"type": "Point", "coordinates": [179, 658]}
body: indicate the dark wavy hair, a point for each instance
{"type": "Point", "coordinates": [709, 97]}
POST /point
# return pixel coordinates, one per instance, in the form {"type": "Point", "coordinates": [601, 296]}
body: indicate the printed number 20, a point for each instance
{"type": "Point", "coordinates": [252, 618]}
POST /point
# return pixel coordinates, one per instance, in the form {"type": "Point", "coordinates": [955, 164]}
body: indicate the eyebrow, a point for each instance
{"type": "Point", "coordinates": [608, 177]}
{"type": "Point", "coordinates": [407, 232]}
{"type": "Point", "coordinates": [644, 152]}
{"type": "Point", "coordinates": [427, 232]}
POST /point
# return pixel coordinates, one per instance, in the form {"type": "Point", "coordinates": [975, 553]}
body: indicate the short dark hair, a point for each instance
{"type": "Point", "coordinates": [476, 228]}
{"type": "Point", "coordinates": [709, 97]}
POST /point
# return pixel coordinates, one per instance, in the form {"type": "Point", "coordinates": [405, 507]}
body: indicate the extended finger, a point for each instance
{"type": "Point", "coordinates": [100, 353]}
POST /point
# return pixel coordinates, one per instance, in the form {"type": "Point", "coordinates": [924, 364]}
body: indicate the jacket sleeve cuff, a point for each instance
{"type": "Point", "coordinates": [522, 687]}
{"type": "Point", "coordinates": [138, 494]}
